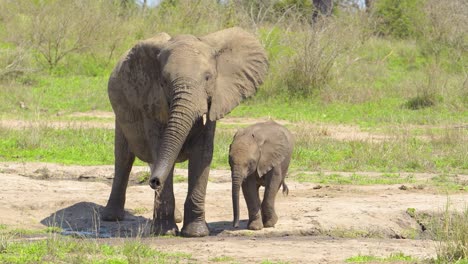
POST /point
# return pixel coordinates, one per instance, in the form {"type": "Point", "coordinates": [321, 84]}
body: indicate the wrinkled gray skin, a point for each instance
{"type": "Point", "coordinates": [161, 91]}
{"type": "Point", "coordinates": [259, 156]}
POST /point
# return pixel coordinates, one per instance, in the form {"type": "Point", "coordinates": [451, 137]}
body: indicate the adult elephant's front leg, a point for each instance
{"type": "Point", "coordinates": [124, 158]}
{"type": "Point", "coordinates": [164, 205]}
{"type": "Point", "coordinates": [201, 154]}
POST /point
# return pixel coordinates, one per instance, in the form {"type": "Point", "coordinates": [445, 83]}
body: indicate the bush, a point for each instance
{"type": "Point", "coordinates": [401, 19]}
{"type": "Point", "coordinates": [318, 49]}
{"type": "Point", "coordinates": [302, 7]}
{"type": "Point", "coordinates": [445, 33]}
{"type": "Point", "coordinates": [53, 30]}
{"type": "Point", "coordinates": [13, 62]}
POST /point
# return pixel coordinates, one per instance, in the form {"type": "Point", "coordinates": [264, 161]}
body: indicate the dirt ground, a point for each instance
{"type": "Point", "coordinates": [316, 225]}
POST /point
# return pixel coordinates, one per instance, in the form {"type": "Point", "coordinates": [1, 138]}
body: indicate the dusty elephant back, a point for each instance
{"type": "Point", "coordinates": [271, 130]}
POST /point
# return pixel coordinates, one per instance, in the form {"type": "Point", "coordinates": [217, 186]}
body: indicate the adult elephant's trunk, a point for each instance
{"type": "Point", "coordinates": [183, 113]}
{"type": "Point", "coordinates": [236, 184]}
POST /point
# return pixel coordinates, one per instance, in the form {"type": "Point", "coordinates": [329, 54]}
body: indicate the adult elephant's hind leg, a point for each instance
{"type": "Point", "coordinates": [164, 206]}
{"type": "Point", "coordinates": [124, 159]}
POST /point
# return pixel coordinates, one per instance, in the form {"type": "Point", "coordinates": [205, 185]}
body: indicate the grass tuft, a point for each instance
{"type": "Point", "coordinates": [394, 257]}
{"type": "Point", "coordinates": [451, 230]}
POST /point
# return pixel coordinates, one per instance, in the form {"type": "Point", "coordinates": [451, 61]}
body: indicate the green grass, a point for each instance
{"type": "Point", "coordinates": [354, 179]}
{"type": "Point", "coordinates": [395, 257]}
{"type": "Point", "coordinates": [385, 111]}
{"type": "Point", "coordinates": [449, 228]}
{"type": "Point", "coordinates": [67, 146]}
{"type": "Point", "coordinates": [67, 250]}
{"type": "Point", "coordinates": [442, 182]}
{"type": "Point", "coordinates": [222, 259]}
{"type": "Point", "coordinates": [49, 95]}
{"type": "Point", "coordinates": [312, 152]}
{"type": "Point", "coordinates": [400, 155]}
{"type": "Point", "coordinates": [449, 182]}
{"type": "Point", "coordinates": [5, 231]}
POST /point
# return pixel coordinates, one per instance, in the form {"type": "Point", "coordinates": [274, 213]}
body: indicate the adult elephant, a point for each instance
{"type": "Point", "coordinates": [167, 93]}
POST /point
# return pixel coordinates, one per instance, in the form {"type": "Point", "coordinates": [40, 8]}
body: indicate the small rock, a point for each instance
{"type": "Point", "coordinates": [23, 105]}
{"type": "Point", "coordinates": [403, 187]}
{"type": "Point", "coordinates": [316, 187]}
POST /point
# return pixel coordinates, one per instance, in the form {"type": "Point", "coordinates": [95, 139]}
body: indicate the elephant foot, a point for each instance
{"type": "Point", "coordinates": [195, 229]}
{"type": "Point", "coordinates": [271, 222]}
{"type": "Point", "coordinates": [164, 228]}
{"type": "Point", "coordinates": [255, 224]}
{"type": "Point", "coordinates": [178, 216]}
{"type": "Point", "coordinates": [112, 214]}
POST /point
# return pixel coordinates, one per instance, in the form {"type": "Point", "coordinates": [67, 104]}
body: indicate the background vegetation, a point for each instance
{"type": "Point", "coordinates": [397, 70]}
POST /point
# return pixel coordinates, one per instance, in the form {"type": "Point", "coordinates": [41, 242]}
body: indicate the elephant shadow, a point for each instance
{"type": "Point", "coordinates": [225, 227]}
{"type": "Point", "coordinates": [83, 220]}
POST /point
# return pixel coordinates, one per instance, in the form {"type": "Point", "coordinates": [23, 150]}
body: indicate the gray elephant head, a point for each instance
{"type": "Point", "coordinates": [255, 151]}
{"type": "Point", "coordinates": [182, 79]}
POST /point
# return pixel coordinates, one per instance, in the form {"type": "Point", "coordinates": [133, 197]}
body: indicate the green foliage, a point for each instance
{"type": "Point", "coordinates": [401, 19]}
{"type": "Point", "coordinates": [56, 29]}
{"type": "Point", "coordinates": [143, 177]}
{"type": "Point", "coordinates": [354, 179]}
{"type": "Point", "coordinates": [273, 262]}
{"type": "Point", "coordinates": [451, 229]}
{"type": "Point", "coordinates": [311, 66]}
{"type": "Point", "coordinates": [302, 7]}
{"type": "Point", "coordinates": [444, 33]}
{"type": "Point", "coordinates": [68, 146]}
{"type": "Point", "coordinates": [66, 250]}
{"type": "Point", "coordinates": [411, 212]}
{"type": "Point", "coordinates": [421, 101]}
{"type": "Point", "coordinates": [395, 257]}
{"type": "Point", "coordinates": [54, 95]}
{"type": "Point", "coordinates": [222, 259]}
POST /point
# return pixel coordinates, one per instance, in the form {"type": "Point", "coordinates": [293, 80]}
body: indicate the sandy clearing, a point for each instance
{"type": "Point", "coordinates": [311, 227]}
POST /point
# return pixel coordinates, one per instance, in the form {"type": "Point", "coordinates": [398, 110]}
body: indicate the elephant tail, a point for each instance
{"type": "Point", "coordinates": [285, 189]}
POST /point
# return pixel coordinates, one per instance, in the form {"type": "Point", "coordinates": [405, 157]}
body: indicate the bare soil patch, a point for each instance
{"type": "Point", "coordinates": [325, 225]}
{"type": "Point", "coordinates": [337, 132]}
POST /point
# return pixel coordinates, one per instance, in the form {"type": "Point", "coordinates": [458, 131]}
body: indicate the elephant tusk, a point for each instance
{"type": "Point", "coordinates": [204, 119]}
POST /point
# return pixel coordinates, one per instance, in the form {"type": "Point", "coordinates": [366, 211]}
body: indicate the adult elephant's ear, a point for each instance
{"type": "Point", "coordinates": [136, 73]}
{"type": "Point", "coordinates": [142, 59]}
{"type": "Point", "coordinates": [273, 145]}
{"type": "Point", "coordinates": [242, 65]}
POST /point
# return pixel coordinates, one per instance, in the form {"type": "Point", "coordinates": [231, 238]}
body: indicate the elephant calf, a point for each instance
{"type": "Point", "coordinates": [259, 156]}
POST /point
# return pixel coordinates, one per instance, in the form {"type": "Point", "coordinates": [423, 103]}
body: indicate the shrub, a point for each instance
{"type": "Point", "coordinates": [53, 30]}
{"type": "Point", "coordinates": [14, 62]}
{"type": "Point", "coordinates": [421, 101]}
{"type": "Point", "coordinates": [446, 31]}
{"type": "Point", "coordinates": [428, 93]}
{"type": "Point", "coordinates": [317, 51]}
{"type": "Point", "coordinates": [401, 19]}
{"type": "Point", "coordinates": [303, 7]}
